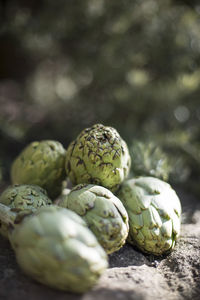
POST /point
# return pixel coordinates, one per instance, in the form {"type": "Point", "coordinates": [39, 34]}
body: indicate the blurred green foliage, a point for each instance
{"type": "Point", "coordinates": [134, 65]}
{"type": "Point", "coordinates": [149, 160]}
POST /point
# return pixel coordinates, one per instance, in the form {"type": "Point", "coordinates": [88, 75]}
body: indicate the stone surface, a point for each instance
{"type": "Point", "coordinates": [131, 274]}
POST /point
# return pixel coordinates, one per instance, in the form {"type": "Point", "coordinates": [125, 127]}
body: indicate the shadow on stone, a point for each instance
{"type": "Point", "coordinates": [127, 256]}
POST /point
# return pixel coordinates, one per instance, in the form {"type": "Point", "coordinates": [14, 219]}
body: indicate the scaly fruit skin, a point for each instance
{"type": "Point", "coordinates": [55, 247]}
{"type": "Point", "coordinates": [154, 213]}
{"type": "Point", "coordinates": [103, 212]}
{"type": "Point", "coordinates": [41, 163]}
{"type": "Point", "coordinates": [98, 156]}
{"type": "Point", "coordinates": [23, 197]}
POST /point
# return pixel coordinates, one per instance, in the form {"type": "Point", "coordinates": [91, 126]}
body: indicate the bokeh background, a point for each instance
{"type": "Point", "coordinates": [130, 64]}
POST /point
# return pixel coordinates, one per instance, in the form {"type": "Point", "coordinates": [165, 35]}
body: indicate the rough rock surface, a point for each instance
{"type": "Point", "coordinates": [131, 274]}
